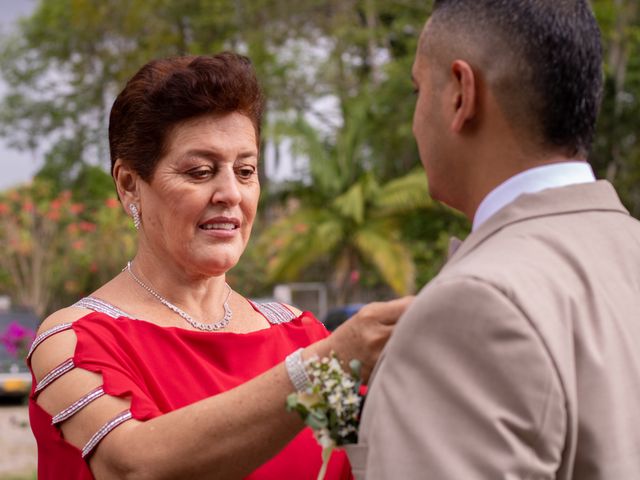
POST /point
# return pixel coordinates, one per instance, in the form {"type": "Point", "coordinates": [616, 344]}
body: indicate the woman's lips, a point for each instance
{"type": "Point", "coordinates": [220, 227]}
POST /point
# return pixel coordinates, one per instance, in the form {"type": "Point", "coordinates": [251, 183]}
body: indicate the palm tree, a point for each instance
{"type": "Point", "coordinates": [361, 225]}
{"type": "Point", "coordinates": [344, 214]}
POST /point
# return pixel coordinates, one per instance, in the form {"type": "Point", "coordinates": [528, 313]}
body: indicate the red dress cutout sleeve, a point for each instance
{"type": "Point", "coordinates": [165, 368]}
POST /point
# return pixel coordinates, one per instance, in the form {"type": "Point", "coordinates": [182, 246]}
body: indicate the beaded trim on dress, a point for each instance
{"type": "Point", "coordinates": [97, 305]}
{"type": "Point", "coordinates": [274, 312]}
{"type": "Point", "coordinates": [54, 374]}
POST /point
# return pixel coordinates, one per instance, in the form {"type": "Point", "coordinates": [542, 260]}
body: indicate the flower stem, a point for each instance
{"type": "Point", "coordinates": [326, 455]}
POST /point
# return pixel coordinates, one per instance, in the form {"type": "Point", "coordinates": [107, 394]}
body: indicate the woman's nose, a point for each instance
{"type": "Point", "coordinates": [227, 190]}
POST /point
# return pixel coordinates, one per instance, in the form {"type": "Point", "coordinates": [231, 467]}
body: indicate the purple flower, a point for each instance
{"type": "Point", "coordinates": [16, 339]}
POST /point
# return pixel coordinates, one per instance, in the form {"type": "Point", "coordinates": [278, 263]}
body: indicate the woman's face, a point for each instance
{"type": "Point", "coordinates": [199, 208]}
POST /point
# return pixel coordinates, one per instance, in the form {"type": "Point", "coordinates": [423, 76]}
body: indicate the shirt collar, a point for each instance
{"type": "Point", "coordinates": [532, 181]}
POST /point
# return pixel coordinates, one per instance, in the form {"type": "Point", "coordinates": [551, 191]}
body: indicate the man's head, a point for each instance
{"type": "Point", "coordinates": [529, 70]}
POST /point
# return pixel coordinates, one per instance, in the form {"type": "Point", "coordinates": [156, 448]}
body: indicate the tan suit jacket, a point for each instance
{"type": "Point", "coordinates": [521, 359]}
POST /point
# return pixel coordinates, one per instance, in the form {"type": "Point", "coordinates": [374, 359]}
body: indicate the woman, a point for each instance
{"type": "Point", "coordinates": [165, 372]}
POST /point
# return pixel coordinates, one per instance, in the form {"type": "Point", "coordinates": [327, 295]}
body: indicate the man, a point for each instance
{"type": "Point", "coordinates": [521, 359]}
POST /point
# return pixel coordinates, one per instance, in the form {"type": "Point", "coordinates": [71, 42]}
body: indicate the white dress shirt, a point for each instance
{"type": "Point", "coordinates": [532, 181]}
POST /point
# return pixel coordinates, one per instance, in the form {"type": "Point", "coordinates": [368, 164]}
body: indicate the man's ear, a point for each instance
{"type": "Point", "coordinates": [465, 94]}
{"type": "Point", "coordinates": [127, 183]}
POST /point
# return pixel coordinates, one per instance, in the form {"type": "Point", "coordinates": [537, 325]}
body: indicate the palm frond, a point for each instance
{"type": "Point", "coordinates": [351, 139]}
{"type": "Point", "coordinates": [390, 256]}
{"type": "Point", "coordinates": [351, 204]}
{"type": "Point", "coordinates": [299, 240]}
{"type": "Point", "coordinates": [404, 194]}
{"type": "Point", "coordinates": [308, 142]}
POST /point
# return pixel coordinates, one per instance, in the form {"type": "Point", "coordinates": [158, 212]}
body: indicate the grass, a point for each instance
{"type": "Point", "coordinates": [24, 476]}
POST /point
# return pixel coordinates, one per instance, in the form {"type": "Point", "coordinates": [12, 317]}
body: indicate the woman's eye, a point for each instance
{"type": "Point", "coordinates": [200, 173]}
{"type": "Point", "coordinates": [245, 172]}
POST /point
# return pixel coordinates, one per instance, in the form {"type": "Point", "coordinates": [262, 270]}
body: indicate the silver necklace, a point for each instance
{"type": "Point", "coordinates": [207, 327]}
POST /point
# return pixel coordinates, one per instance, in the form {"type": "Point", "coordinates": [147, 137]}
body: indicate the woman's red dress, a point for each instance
{"type": "Point", "coordinates": [165, 368]}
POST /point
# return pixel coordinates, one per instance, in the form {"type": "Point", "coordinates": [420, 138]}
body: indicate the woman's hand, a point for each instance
{"type": "Point", "coordinates": [364, 335]}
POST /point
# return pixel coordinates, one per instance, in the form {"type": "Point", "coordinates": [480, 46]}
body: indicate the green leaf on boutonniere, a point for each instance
{"type": "Point", "coordinates": [316, 420]}
{"type": "Point", "coordinates": [292, 401]}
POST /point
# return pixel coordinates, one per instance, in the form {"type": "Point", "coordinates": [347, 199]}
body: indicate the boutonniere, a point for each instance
{"type": "Point", "coordinates": [330, 404]}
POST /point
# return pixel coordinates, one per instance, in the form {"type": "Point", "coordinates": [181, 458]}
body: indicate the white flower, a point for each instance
{"type": "Point", "coordinates": [334, 365]}
{"type": "Point", "coordinates": [308, 399]}
{"type": "Point", "coordinates": [330, 384]}
{"type": "Point", "coordinates": [352, 399]}
{"type": "Point", "coordinates": [347, 383]}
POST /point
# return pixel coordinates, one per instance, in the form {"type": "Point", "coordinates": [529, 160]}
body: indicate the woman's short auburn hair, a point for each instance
{"type": "Point", "coordinates": [166, 92]}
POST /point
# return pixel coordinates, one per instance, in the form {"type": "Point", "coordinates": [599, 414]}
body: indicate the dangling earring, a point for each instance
{"type": "Point", "coordinates": [136, 215]}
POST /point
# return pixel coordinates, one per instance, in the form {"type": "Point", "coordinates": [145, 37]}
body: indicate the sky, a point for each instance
{"type": "Point", "coordinates": [15, 167]}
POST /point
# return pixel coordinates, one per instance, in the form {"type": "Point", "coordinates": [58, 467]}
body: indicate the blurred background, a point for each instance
{"type": "Point", "coordinates": [345, 215]}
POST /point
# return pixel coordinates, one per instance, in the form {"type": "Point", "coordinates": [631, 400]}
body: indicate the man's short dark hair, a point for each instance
{"type": "Point", "coordinates": [552, 79]}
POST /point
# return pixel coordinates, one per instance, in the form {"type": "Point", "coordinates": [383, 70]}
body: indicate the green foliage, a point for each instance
{"type": "Point", "coordinates": [26, 476]}
{"type": "Point", "coordinates": [56, 248]}
{"type": "Point", "coordinates": [362, 202]}
{"type": "Point", "coordinates": [362, 225]}
{"type": "Point", "coordinates": [32, 231]}
{"type": "Point", "coordinates": [69, 59]}
{"type": "Point", "coordinates": [616, 153]}
{"type": "Point", "coordinates": [249, 276]}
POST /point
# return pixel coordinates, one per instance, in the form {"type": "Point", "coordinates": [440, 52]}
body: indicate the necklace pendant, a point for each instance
{"type": "Point", "coordinates": [205, 327]}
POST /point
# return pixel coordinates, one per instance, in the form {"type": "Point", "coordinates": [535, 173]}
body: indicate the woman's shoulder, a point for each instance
{"type": "Point", "coordinates": [55, 341]}
{"type": "Point", "coordinates": [64, 316]}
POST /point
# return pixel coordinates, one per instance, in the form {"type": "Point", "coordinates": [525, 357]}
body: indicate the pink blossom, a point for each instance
{"type": "Point", "coordinates": [111, 203]}
{"type": "Point", "coordinates": [16, 339]}
{"type": "Point", "coordinates": [53, 215]}
{"type": "Point", "coordinates": [87, 226]}
{"type": "Point", "coordinates": [28, 206]}
{"type": "Point", "coordinates": [4, 208]}
{"type": "Point", "coordinates": [76, 208]}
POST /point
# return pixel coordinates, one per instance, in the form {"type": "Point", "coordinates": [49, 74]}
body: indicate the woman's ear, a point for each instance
{"type": "Point", "coordinates": [466, 94]}
{"type": "Point", "coordinates": [127, 183]}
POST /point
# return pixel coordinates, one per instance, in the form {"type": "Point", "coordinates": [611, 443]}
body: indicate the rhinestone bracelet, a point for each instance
{"type": "Point", "coordinates": [296, 371]}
